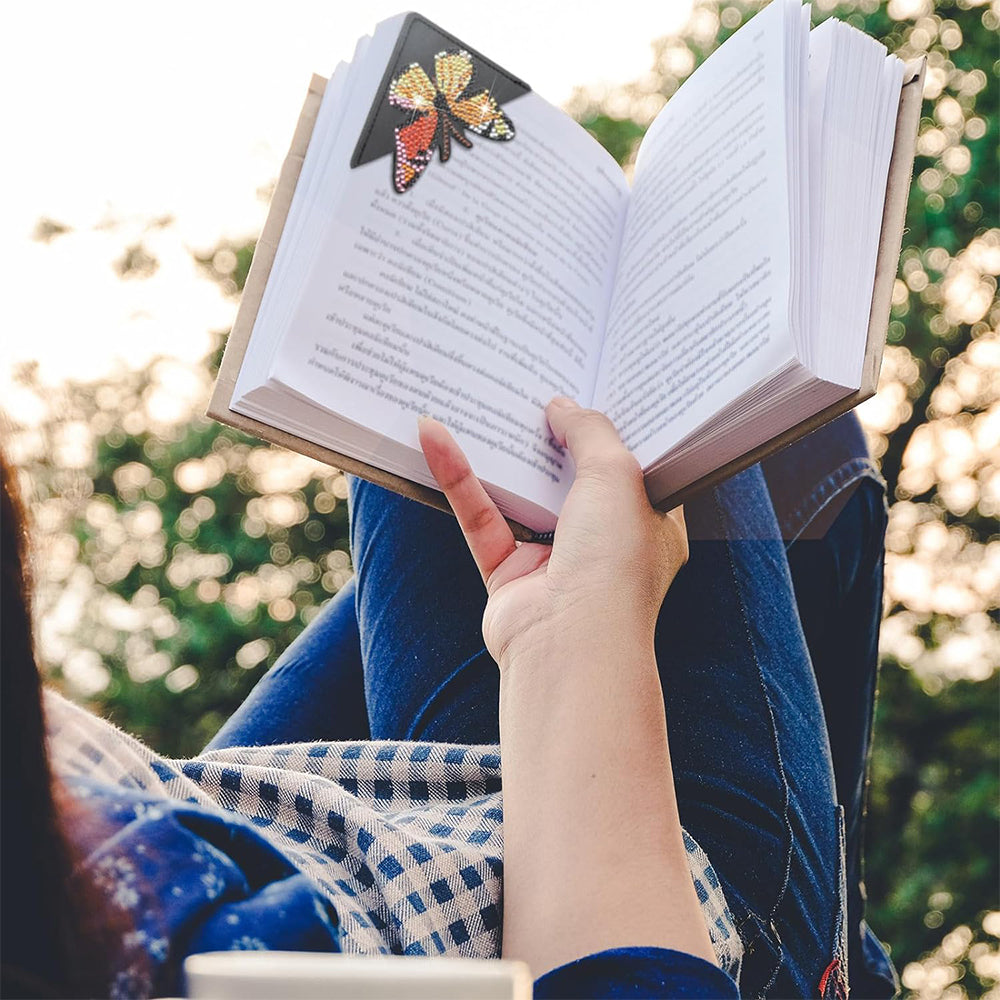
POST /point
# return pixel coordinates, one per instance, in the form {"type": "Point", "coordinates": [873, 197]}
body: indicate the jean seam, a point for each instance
{"type": "Point", "coordinates": [837, 985]}
{"type": "Point", "coordinates": [793, 524]}
{"type": "Point", "coordinates": [419, 714]}
{"type": "Point", "coordinates": [725, 533]}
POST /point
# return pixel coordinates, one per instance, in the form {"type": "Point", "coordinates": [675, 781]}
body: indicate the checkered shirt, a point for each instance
{"type": "Point", "coordinates": [405, 839]}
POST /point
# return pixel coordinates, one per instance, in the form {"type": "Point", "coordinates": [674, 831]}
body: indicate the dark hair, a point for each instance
{"type": "Point", "coordinates": [55, 939]}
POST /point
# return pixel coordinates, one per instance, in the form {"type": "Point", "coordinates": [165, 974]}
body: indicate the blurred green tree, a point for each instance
{"type": "Point", "coordinates": [185, 558]}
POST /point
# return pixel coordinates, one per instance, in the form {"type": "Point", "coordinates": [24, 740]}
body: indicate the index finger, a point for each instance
{"type": "Point", "coordinates": [487, 534]}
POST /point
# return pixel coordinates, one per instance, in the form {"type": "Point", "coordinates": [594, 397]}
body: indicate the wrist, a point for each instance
{"type": "Point", "coordinates": [588, 683]}
{"type": "Point", "coordinates": [565, 645]}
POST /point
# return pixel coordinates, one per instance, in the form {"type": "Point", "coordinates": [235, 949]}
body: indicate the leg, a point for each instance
{"type": "Point", "coordinates": [751, 758]}
{"type": "Point", "coordinates": [313, 692]}
{"type": "Point", "coordinates": [420, 604]}
{"type": "Point", "coordinates": [427, 676]}
{"type": "Point", "coordinates": [828, 501]}
{"type": "Point", "coordinates": [836, 557]}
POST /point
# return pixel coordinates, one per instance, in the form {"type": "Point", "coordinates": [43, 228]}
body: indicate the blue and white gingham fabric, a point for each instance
{"type": "Point", "coordinates": [404, 839]}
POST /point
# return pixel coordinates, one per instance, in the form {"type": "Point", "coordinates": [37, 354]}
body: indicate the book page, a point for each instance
{"type": "Point", "coordinates": [475, 296]}
{"type": "Point", "coordinates": [700, 311]}
{"type": "Point", "coordinates": [856, 85]}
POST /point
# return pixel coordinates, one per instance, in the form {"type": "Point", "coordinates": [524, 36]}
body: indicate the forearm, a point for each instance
{"type": "Point", "coordinates": [593, 852]}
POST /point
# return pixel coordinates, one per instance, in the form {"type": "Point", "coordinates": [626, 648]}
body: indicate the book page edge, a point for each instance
{"type": "Point", "coordinates": [763, 451]}
{"type": "Point", "coordinates": [893, 219]}
{"type": "Point", "coordinates": [887, 264]}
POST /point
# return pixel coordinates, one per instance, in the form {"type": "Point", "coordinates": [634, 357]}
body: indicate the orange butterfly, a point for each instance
{"type": "Point", "coordinates": [440, 113]}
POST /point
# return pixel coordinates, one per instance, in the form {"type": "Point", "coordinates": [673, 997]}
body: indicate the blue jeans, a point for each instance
{"type": "Point", "coordinates": [767, 650]}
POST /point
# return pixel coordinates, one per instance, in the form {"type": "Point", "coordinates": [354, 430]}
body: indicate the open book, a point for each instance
{"type": "Point", "coordinates": [442, 240]}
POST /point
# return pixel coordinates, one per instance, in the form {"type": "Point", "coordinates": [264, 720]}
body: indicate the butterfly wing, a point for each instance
{"type": "Point", "coordinates": [483, 115]}
{"type": "Point", "coordinates": [413, 90]}
{"type": "Point", "coordinates": [414, 147]}
{"type": "Point", "coordinates": [414, 143]}
{"type": "Point", "coordinates": [453, 73]}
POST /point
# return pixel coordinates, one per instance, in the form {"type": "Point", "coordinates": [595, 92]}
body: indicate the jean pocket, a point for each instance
{"type": "Point", "coordinates": [833, 983]}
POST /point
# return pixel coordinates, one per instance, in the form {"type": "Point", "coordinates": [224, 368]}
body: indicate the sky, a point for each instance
{"type": "Point", "coordinates": [117, 114]}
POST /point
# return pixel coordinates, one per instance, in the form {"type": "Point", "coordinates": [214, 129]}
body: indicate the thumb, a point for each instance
{"type": "Point", "coordinates": [589, 435]}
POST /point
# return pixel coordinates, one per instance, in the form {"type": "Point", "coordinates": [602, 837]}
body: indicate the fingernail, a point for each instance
{"type": "Point", "coordinates": [423, 417]}
{"type": "Point", "coordinates": [564, 401]}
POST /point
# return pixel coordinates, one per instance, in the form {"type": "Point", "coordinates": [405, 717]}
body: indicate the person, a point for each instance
{"type": "Point", "coordinates": [353, 801]}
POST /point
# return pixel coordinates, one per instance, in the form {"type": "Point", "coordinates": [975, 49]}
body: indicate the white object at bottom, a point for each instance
{"type": "Point", "coordinates": [290, 975]}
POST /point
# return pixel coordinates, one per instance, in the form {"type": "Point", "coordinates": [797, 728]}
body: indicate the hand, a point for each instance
{"type": "Point", "coordinates": [603, 579]}
{"type": "Point", "coordinates": [582, 729]}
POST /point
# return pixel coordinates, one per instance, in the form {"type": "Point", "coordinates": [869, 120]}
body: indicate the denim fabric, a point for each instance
{"type": "Point", "coordinates": [835, 549]}
{"type": "Point", "coordinates": [313, 692]}
{"type": "Point", "coordinates": [766, 646]}
{"type": "Point", "coordinates": [649, 973]}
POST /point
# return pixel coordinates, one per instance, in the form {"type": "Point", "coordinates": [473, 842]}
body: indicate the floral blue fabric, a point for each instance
{"type": "Point", "coordinates": [189, 879]}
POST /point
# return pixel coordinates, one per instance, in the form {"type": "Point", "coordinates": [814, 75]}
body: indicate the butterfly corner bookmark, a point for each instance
{"type": "Point", "coordinates": [440, 112]}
